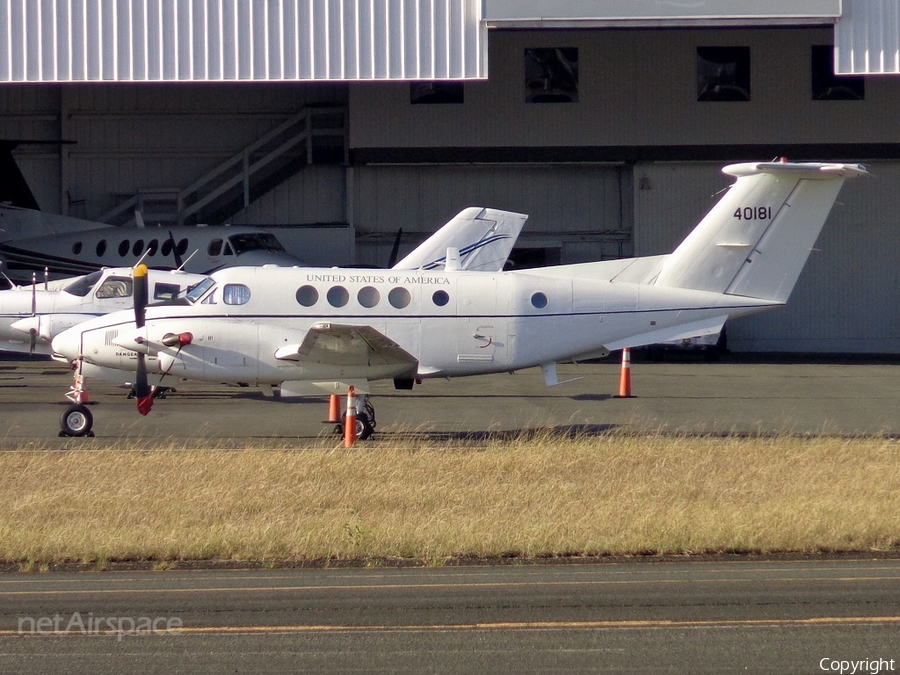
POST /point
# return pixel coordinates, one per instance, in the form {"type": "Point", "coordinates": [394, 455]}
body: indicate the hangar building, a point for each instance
{"type": "Point", "coordinates": [605, 120]}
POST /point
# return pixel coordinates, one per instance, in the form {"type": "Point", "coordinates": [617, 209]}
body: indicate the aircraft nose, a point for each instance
{"type": "Point", "coordinates": [67, 344]}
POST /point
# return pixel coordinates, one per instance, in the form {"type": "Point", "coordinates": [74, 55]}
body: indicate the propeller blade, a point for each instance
{"type": "Point", "coordinates": [141, 295]}
{"type": "Point", "coordinates": [142, 391]}
{"type": "Point", "coordinates": [392, 259]}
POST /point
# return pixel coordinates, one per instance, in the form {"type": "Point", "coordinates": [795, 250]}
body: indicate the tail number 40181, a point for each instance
{"type": "Point", "coordinates": [754, 213]}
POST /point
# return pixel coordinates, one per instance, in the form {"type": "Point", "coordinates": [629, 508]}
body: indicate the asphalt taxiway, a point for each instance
{"type": "Point", "coordinates": [688, 396]}
{"type": "Point", "coordinates": [657, 617]}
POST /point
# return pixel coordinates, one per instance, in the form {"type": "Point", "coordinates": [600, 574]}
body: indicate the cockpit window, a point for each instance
{"type": "Point", "coordinates": [115, 287]}
{"type": "Point", "coordinates": [83, 285]}
{"type": "Point", "coordinates": [255, 241]}
{"type": "Point", "coordinates": [197, 291]}
{"type": "Point", "coordinates": [166, 292]}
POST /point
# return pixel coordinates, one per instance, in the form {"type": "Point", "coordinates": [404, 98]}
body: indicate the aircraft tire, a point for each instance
{"type": "Point", "coordinates": [364, 428]}
{"type": "Point", "coordinates": [76, 421]}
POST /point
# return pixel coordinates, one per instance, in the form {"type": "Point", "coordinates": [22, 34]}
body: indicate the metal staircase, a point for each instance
{"type": "Point", "coordinates": [315, 134]}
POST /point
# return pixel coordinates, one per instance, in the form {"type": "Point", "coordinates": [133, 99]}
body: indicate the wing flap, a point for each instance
{"type": "Point", "coordinates": [345, 346]}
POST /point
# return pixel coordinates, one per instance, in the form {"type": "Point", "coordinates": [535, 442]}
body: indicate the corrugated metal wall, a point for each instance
{"type": "Point", "coordinates": [867, 38]}
{"type": "Point", "coordinates": [570, 207]}
{"type": "Point", "coordinates": [240, 40]}
{"type": "Point", "coordinates": [145, 137]}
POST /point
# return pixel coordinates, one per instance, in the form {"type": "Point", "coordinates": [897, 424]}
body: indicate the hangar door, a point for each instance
{"type": "Point", "coordinates": [577, 212]}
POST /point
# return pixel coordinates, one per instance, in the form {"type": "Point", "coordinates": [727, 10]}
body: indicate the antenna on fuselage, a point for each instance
{"type": "Point", "coordinates": [187, 260]}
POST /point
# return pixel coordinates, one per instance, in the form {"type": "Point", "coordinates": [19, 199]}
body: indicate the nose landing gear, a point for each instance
{"type": "Point", "coordinates": [76, 421]}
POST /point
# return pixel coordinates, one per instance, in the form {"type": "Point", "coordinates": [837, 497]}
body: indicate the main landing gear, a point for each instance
{"type": "Point", "coordinates": [365, 417]}
{"type": "Point", "coordinates": [365, 421]}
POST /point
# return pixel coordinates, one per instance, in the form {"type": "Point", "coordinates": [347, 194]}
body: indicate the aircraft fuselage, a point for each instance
{"type": "Point", "coordinates": [452, 324]}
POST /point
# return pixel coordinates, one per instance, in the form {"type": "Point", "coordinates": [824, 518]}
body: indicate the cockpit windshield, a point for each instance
{"type": "Point", "coordinates": [255, 241]}
{"type": "Point", "coordinates": [198, 290]}
{"type": "Point", "coordinates": [83, 285]}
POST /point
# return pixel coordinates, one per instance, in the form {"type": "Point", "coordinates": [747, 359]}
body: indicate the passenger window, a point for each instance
{"type": "Point", "coordinates": [182, 247]}
{"type": "Point", "coordinates": [124, 245]}
{"type": "Point", "coordinates": [236, 294]}
{"type": "Point", "coordinates": [215, 247]}
{"type": "Point", "coordinates": [307, 296]}
{"type": "Point", "coordinates": [138, 247]}
{"type": "Point", "coordinates": [166, 247]}
{"type": "Point", "coordinates": [101, 247]}
{"type": "Point", "coordinates": [440, 298]}
{"type": "Point", "coordinates": [115, 287]}
{"type": "Point", "coordinates": [338, 296]}
{"type": "Point", "coordinates": [368, 296]}
{"type": "Point", "coordinates": [76, 248]}
{"type": "Point", "coordinates": [399, 297]}
{"type": "Point", "coordinates": [539, 300]}
{"type": "Point", "coordinates": [152, 247]}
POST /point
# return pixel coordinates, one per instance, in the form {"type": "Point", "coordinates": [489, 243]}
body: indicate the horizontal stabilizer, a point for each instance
{"type": "Point", "coordinates": [709, 326]}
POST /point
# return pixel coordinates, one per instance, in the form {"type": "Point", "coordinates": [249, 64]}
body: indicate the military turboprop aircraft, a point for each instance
{"type": "Point", "coordinates": [310, 329]}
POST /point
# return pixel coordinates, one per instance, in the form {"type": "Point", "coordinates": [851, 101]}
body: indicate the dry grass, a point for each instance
{"type": "Point", "coordinates": [613, 494]}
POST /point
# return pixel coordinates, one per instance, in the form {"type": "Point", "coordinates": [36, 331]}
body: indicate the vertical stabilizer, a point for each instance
{"type": "Point", "coordinates": [483, 237]}
{"type": "Point", "coordinates": [757, 239]}
{"type": "Point", "coordinates": [14, 189]}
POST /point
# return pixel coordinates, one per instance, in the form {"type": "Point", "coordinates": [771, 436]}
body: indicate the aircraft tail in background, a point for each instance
{"type": "Point", "coordinates": [756, 240]}
{"type": "Point", "coordinates": [484, 238]}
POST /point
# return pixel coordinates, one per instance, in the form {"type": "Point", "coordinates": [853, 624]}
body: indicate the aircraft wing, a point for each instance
{"type": "Point", "coordinates": [354, 347]}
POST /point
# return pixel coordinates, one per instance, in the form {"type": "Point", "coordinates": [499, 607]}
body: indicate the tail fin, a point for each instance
{"type": "Point", "coordinates": [757, 239]}
{"type": "Point", "coordinates": [14, 188]}
{"type": "Point", "coordinates": [484, 238]}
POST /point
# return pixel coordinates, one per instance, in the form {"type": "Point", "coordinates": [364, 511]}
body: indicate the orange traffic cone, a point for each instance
{"type": "Point", "coordinates": [350, 420]}
{"type": "Point", "coordinates": [334, 409]}
{"type": "Point", "coordinates": [625, 375]}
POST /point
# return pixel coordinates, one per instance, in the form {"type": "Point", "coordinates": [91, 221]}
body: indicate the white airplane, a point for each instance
{"type": "Point", "coordinates": [313, 330]}
{"type": "Point", "coordinates": [195, 249]}
{"type": "Point", "coordinates": [30, 316]}
{"type": "Point", "coordinates": [32, 240]}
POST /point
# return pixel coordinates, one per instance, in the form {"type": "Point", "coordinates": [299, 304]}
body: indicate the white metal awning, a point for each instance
{"type": "Point", "coordinates": [867, 38]}
{"type": "Point", "coordinates": [658, 13]}
{"type": "Point", "coordinates": [240, 40]}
